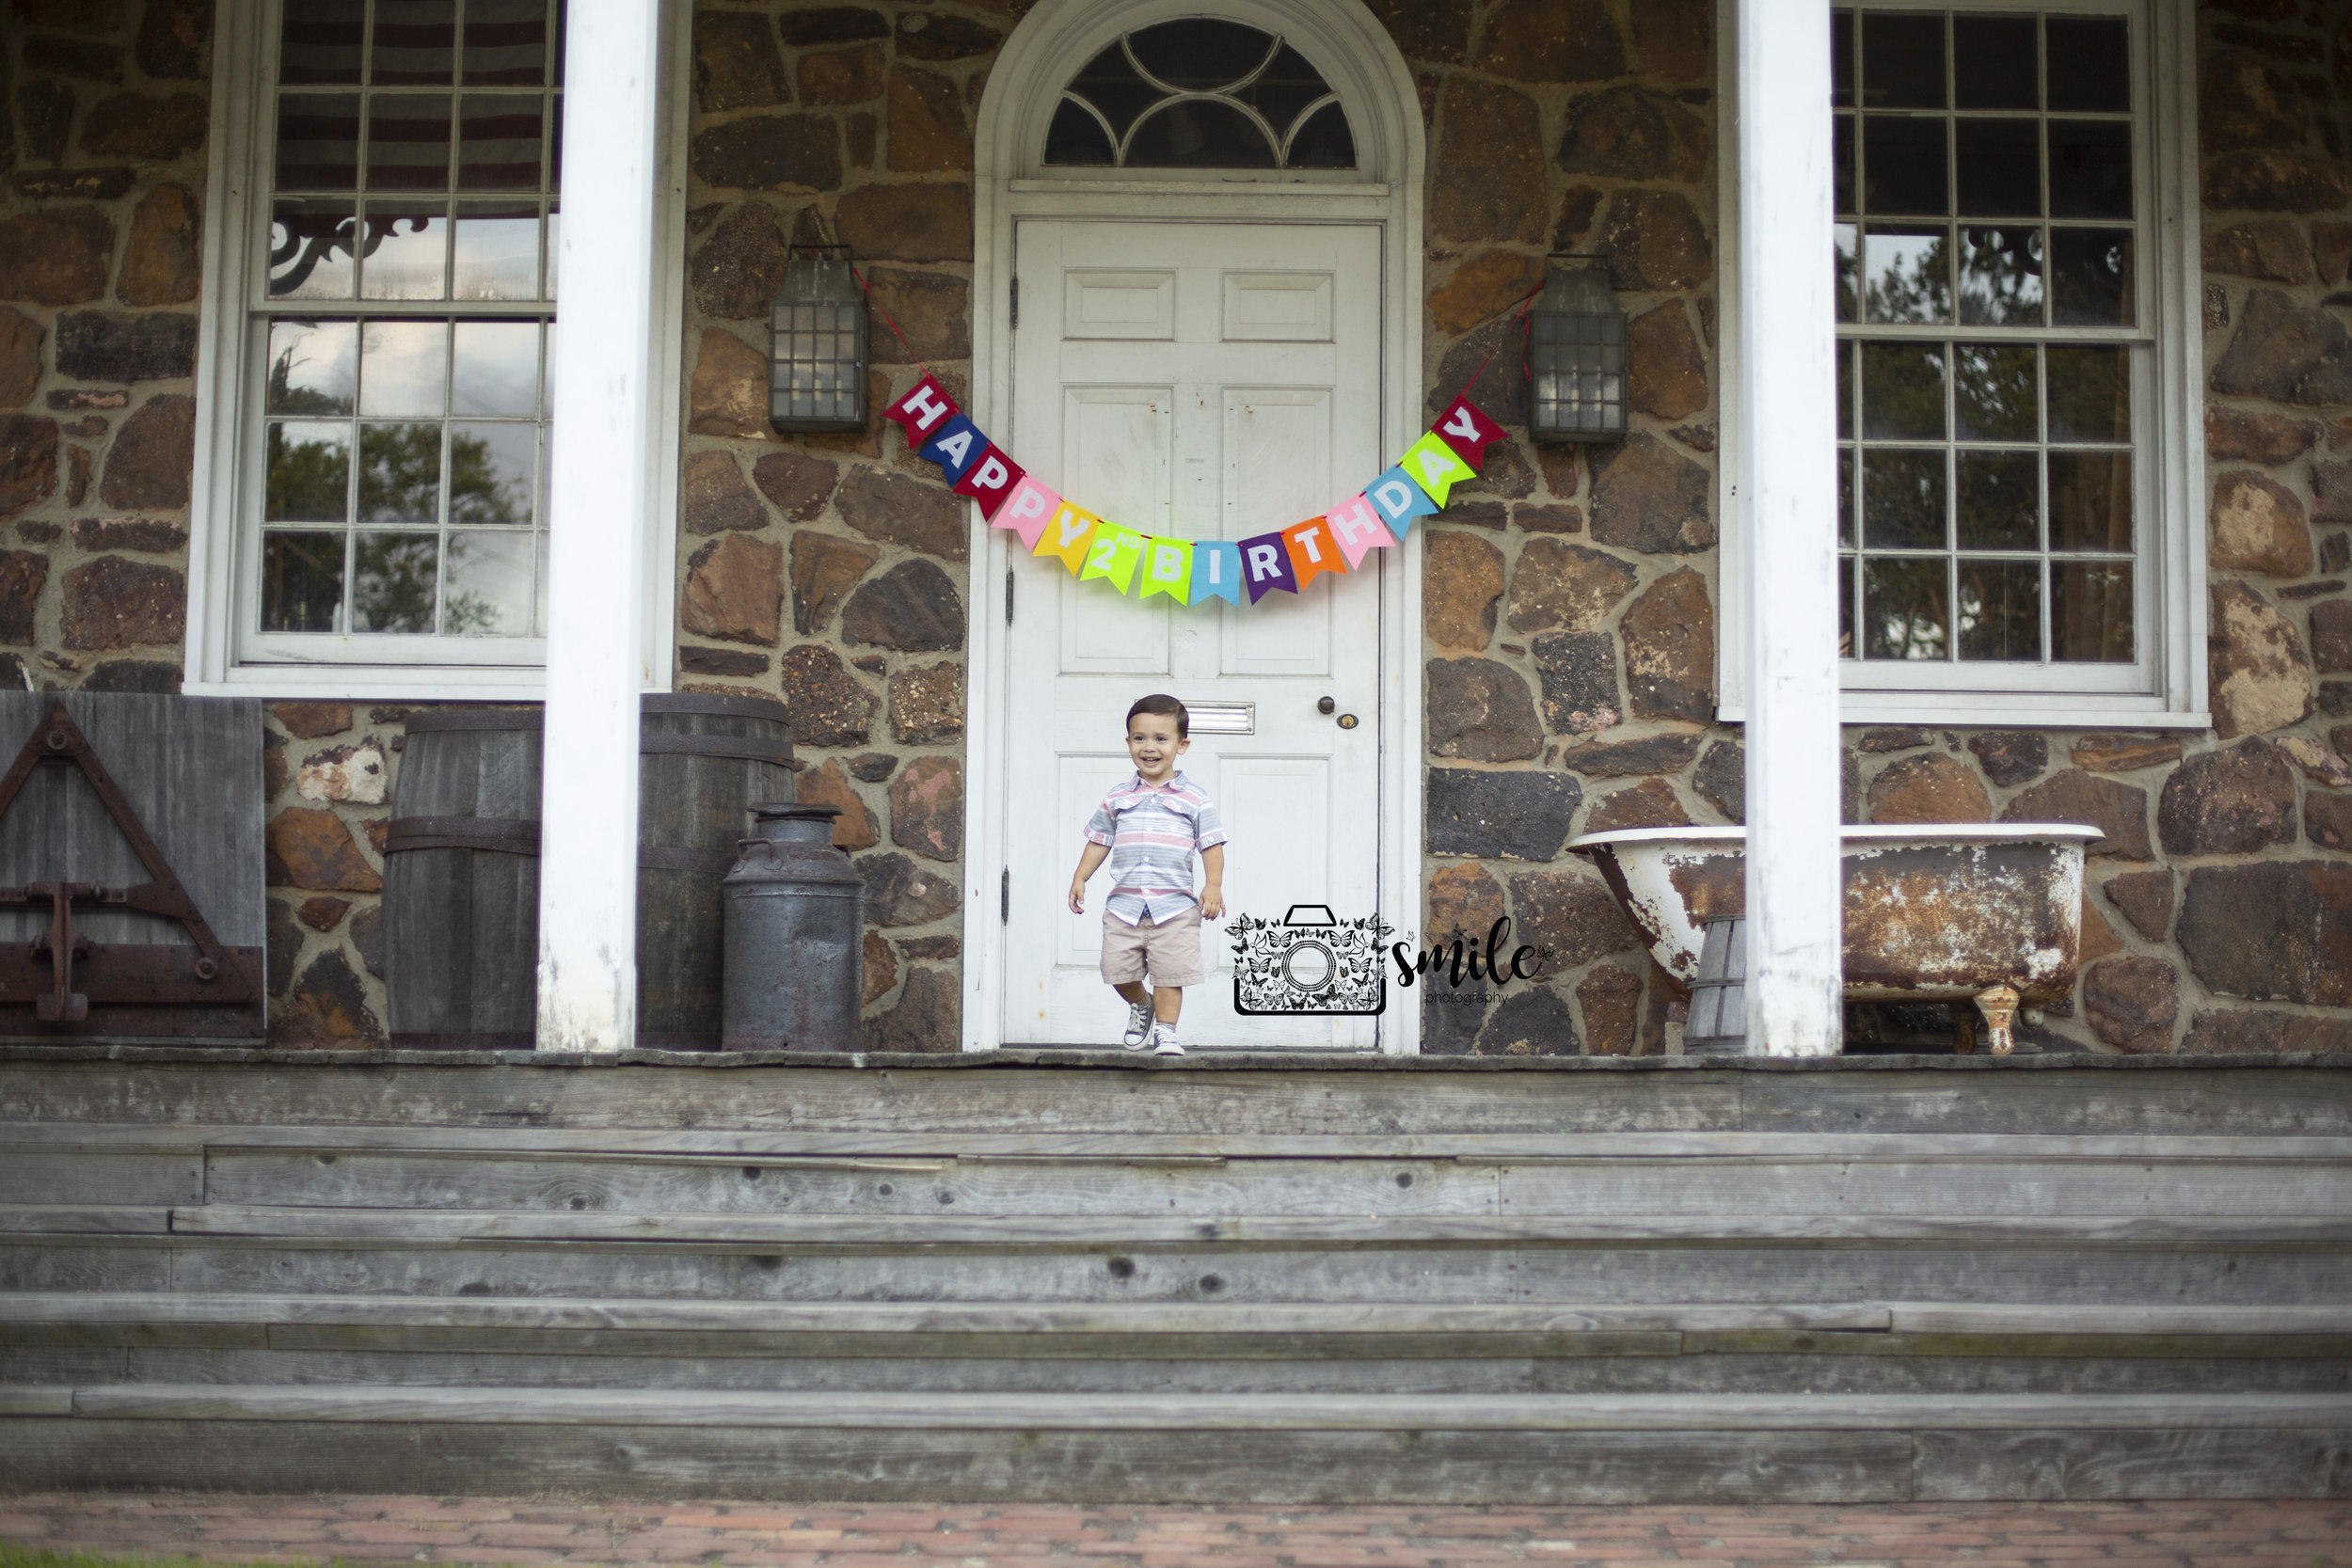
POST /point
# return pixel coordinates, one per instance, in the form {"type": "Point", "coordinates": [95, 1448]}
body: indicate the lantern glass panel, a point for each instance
{"type": "Point", "coordinates": [817, 350]}
{"type": "Point", "coordinates": [1576, 358]}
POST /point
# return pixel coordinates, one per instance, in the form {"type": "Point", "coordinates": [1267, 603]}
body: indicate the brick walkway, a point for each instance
{"type": "Point", "coordinates": [753, 1535]}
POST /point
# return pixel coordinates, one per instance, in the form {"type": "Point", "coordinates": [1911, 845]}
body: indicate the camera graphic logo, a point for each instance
{"type": "Point", "coordinates": [1309, 963]}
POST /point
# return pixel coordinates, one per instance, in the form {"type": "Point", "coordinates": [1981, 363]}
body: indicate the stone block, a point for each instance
{"type": "Point", "coordinates": [1648, 757]}
{"type": "Point", "coordinates": [1722, 780]}
{"type": "Point", "coordinates": [728, 395]}
{"type": "Point", "coordinates": [2145, 899]}
{"type": "Point", "coordinates": [1669, 637]}
{"type": "Point", "coordinates": [2010, 758]}
{"type": "Point", "coordinates": [824, 569]}
{"type": "Point", "coordinates": [1666, 368]}
{"type": "Point", "coordinates": [113, 603]}
{"type": "Point", "coordinates": [2327, 819]}
{"type": "Point", "coordinates": [766, 152]}
{"type": "Point", "coordinates": [908, 223]}
{"type": "Point", "coordinates": [903, 509]}
{"type": "Point", "coordinates": [2243, 103]}
{"type": "Point", "coordinates": [1488, 814]}
{"type": "Point", "coordinates": [2273, 930]}
{"type": "Point", "coordinates": [152, 535]}
{"type": "Point", "coordinates": [1609, 997]}
{"type": "Point", "coordinates": [1461, 582]}
{"type": "Point", "coordinates": [2250, 436]}
{"type": "Point", "coordinates": [1651, 803]}
{"type": "Point", "coordinates": [20, 357]}
{"type": "Point", "coordinates": [736, 62]}
{"type": "Point", "coordinates": [2231, 803]}
{"type": "Point", "coordinates": [927, 808]}
{"type": "Point", "coordinates": [153, 676]}
{"type": "Point", "coordinates": [837, 76]}
{"type": "Point", "coordinates": [929, 132]}
{"type": "Point", "coordinates": [138, 125]}
{"type": "Point", "coordinates": [58, 256]}
{"type": "Point", "coordinates": [853, 830]}
{"type": "Point", "coordinates": [312, 848]}
{"type": "Point", "coordinates": [731, 662]}
{"type": "Point", "coordinates": [913, 606]}
{"type": "Point", "coordinates": [1931, 788]}
{"type": "Point", "coordinates": [933, 309]}
{"type": "Point", "coordinates": [734, 592]}
{"type": "Point", "coordinates": [28, 461]}
{"type": "Point", "coordinates": [327, 1009]}
{"type": "Point", "coordinates": [2119, 811]}
{"type": "Point", "coordinates": [882, 967]}
{"type": "Point", "coordinates": [1656, 243]}
{"type": "Point", "coordinates": [1489, 183]}
{"type": "Point", "coordinates": [311, 721]}
{"type": "Point", "coordinates": [825, 25]}
{"type": "Point", "coordinates": [713, 498]}
{"type": "Point", "coordinates": [1637, 133]}
{"type": "Point", "coordinates": [354, 775]}
{"type": "Point", "coordinates": [2260, 677]}
{"type": "Point", "coordinates": [740, 266]}
{"type": "Point", "coordinates": [2133, 1002]}
{"type": "Point", "coordinates": [828, 705]}
{"type": "Point", "coordinates": [2258, 526]}
{"type": "Point", "coordinates": [926, 704]}
{"type": "Point", "coordinates": [2248, 1032]}
{"type": "Point", "coordinates": [1531, 1023]}
{"type": "Point", "coordinates": [172, 39]}
{"type": "Point", "coordinates": [2319, 763]}
{"type": "Point", "coordinates": [928, 1018]}
{"type": "Point", "coordinates": [1481, 289]}
{"type": "Point", "coordinates": [1578, 671]}
{"type": "Point", "coordinates": [2331, 637]}
{"type": "Point", "coordinates": [162, 262]}
{"type": "Point", "coordinates": [1557, 584]}
{"type": "Point", "coordinates": [2275, 181]}
{"type": "Point", "coordinates": [23, 575]}
{"type": "Point", "coordinates": [1571, 914]}
{"type": "Point", "coordinates": [2285, 353]}
{"type": "Point", "coordinates": [929, 36]}
{"type": "Point", "coordinates": [1479, 710]}
{"type": "Point", "coordinates": [795, 483]}
{"type": "Point", "coordinates": [2124, 753]}
{"type": "Point", "coordinates": [1552, 40]}
{"type": "Point", "coordinates": [2271, 249]}
{"type": "Point", "coordinates": [1648, 497]}
{"type": "Point", "coordinates": [1463, 899]}
{"type": "Point", "coordinates": [1674, 40]}
{"type": "Point", "coordinates": [900, 893]}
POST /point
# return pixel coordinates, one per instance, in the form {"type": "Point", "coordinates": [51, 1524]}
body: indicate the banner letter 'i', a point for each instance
{"type": "Point", "coordinates": [1216, 571]}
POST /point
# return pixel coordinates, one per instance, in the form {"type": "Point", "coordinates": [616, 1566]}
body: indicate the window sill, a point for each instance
{"type": "Point", "coordinates": [1980, 710]}
{"type": "Point", "coordinates": [377, 684]}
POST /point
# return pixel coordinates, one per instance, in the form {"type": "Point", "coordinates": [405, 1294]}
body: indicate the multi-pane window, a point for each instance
{"type": "Point", "coordinates": [1199, 93]}
{"type": "Point", "coordinates": [407, 311]}
{"type": "Point", "coordinates": [1992, 338]}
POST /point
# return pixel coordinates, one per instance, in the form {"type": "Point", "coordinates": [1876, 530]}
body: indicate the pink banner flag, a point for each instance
{"type": "Point", "coordinates": [1027, 510]}
{"type": "Point", "coordinates": [1356, 524]}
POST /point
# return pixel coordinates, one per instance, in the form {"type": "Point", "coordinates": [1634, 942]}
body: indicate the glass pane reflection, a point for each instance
{"type": "Point", "coordinates": [2000, 277]}
{"type": "Point", "coordinates": [310, 473]}
{"type": "Point", "coordinates": [404, 254]}
{"type": "Point", "coordinates": [2091, 500]}
{"type": "Point", "coordinates": [402, 367]}
{"type": "Point", "coordinates": [2000, 610]}
{"type": "Point", "coordinates": [400, 473]}
{"type": "Point", "coordinates": [2090, 611]}
{"type": "Point", "coordinates": [394, 582]}
{"type": "Point", "coordinates": [489, 585]}
{"type": "Point", "coordinates": [1994, 395]}
{"type": "Point", "coordinates": [1903, 498]}
{"type": "Point", "coordinates": [2090, 392]}
{"type": "Point", "coordinates": [497, 368]}
{"type": "Point", "coordinates": [2091, 277]}
{"type": "Point", "coordinates": [489, 472]}
{"type": "Point", "coordinates": [1905, 609]}
{"type": "Point", "coordinates": [497, 253]}
{"type": "Point", "coordinates": [1907, 274]}
{"type": "Point", "coordinates": [302, 581]}
{"type": "Point", "coordinates": [1903, 392]}
{"type": "Point", "coordinates": [313, 366]}
{"type": "Point", "coordinates": [2000, 500]}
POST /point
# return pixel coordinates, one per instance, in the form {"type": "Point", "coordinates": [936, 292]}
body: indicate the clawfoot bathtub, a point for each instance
{"type": "Point", "coordinates": [1991, 913]}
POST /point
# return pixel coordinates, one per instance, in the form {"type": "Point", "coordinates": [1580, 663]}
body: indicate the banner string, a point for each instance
{"type": "Point", "coordinates": [889, 321]}
{"type": "Point", "coordinates": [1526, 303]}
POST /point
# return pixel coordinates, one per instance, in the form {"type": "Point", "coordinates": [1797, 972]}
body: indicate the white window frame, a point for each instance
{"type": "Point", "coordinates": [231, 366]}
{"type": "Point", "coordinates": [2169, 435]}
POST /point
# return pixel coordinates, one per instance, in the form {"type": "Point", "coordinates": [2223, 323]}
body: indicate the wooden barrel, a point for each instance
{"type": "Point", "coordinates": [461, 869]}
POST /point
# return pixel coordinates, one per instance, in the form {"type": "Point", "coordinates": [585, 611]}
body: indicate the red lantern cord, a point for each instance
{"type": "Point", "coordinates": [1526, 302]}
{"type": "Point", "coordinates": [888, 322]}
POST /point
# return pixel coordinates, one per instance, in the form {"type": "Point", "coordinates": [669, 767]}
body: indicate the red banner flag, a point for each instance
{"type": "Point", "coordinates": [1468, 431]}
{"type": "Point", "coordinates": [922, 411]}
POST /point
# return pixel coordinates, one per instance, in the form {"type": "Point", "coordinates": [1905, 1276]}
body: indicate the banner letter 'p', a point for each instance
{"type": "Point", "coordinates": [991, 480]}
{"type": "Point", "coordinates": [1027, 510]}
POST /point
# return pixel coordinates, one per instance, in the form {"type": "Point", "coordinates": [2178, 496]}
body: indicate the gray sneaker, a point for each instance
{"type": "Point", "coordinates": [1138, 1033]}
{"type": "Point", "coordinates": [1163, 1041]}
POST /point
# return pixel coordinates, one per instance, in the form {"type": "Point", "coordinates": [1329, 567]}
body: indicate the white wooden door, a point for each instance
{"type": "Point", "coordinates": [1203, 381]}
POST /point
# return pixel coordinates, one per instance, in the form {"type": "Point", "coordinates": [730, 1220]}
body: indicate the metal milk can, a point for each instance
{"type": "Point", "coordinates": [795, 973]}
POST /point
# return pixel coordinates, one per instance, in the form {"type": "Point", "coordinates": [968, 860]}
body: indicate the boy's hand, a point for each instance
{"type": "Point", "coordinates": [1077, 899]}
{"type": "Point", "coordinates": [1212, 902]}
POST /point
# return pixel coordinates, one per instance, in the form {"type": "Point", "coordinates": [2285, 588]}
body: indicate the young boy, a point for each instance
{"type": "Point", "coordinates": [1149, 828]}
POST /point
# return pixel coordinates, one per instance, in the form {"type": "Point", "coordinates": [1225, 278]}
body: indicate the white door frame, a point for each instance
{"type": "Point", "coordinates": [1363, 64]}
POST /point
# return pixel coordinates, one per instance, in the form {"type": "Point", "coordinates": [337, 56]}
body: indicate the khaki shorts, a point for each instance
{"type": "Point", "coordinates": [1170, 951]}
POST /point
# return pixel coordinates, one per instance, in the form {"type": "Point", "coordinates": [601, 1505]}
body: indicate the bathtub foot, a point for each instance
{"type": "Point", "coordinates": [1998, 1005]}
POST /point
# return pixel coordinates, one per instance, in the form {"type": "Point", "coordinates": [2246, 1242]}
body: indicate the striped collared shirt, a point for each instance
{"type": "Point", "coordinates": [1151, 832]}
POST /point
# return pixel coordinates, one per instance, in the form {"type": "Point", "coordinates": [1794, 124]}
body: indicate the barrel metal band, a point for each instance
{"type": "Point", "coordinates": [744, 748]}
{"type": "Point", "coordinates": [504, 835]}
{"type": "Point", "coordinates": [476, 719]}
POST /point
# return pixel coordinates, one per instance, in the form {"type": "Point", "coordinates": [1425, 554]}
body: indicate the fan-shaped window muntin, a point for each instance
{"type": "Point", "coordinates": [1199, 93]}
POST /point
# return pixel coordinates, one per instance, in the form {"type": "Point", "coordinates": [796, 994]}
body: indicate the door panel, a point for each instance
{"type": "Point", "coordinates": [1225, 388]}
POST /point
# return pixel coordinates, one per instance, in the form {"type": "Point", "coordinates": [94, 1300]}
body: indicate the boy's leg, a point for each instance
{"type": "Point", "coordinates": [1168, 1003]}
{"type": "Point", "coordinates": [1131, 990]}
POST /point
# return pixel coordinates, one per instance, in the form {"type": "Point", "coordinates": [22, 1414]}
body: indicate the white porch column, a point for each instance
{"type": "Point", "coordinates": [603, 371]}
{"type": "Point", "coordinates": [1789, 396]}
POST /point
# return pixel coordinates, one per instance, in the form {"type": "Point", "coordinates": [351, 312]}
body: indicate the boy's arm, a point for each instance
{"type": "Point", "coordinates": [1089, 860]}
{"type": "Point", "coordinates": [1213, 890]}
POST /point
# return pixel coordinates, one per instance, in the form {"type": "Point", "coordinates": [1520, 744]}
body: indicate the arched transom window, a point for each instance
{"type": "Point", "coordinates": [1199, 93]}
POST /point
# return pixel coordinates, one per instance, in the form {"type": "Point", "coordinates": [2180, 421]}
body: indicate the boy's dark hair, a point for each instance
{"type": "Point", "coordinates": [1167, 706]}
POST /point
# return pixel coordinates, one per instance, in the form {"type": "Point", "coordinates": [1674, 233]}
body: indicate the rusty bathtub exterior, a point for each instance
{"type": "Point", "coordinates": [1932, 910]}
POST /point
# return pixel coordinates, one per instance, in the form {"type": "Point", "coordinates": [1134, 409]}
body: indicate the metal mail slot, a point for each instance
{"type": "Point", "coordinates": [1223, 718]}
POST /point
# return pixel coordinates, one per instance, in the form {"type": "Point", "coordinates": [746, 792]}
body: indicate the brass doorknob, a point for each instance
{"type": "Point", "coordinates": [1326, 705]}
{"type": "Point", "coordinates": [1347, 721]}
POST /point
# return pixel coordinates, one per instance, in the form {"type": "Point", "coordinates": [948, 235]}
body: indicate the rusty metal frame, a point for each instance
{"type": "Point", "coordinates": [63, 981]}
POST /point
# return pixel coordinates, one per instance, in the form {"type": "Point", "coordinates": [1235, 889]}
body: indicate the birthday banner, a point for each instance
{"type": "Point", "coordinates": [1095, 549]}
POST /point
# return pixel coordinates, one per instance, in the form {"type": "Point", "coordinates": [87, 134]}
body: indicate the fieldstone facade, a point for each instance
{"type": "Point", "coordinates": [1569, 622]}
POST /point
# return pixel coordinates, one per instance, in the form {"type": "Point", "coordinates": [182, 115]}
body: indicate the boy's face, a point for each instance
{"type": "Point", "coordinates": [1152, 741]}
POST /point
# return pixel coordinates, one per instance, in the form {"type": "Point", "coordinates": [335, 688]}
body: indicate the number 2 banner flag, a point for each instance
{"type": "Point", "coordinates": [1113, 555]}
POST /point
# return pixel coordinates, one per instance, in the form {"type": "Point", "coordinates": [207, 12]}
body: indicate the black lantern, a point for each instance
{"type": "Point", "coordinates": [1576, 354]}
{"type": "Point", "coordinates": [817, 343]}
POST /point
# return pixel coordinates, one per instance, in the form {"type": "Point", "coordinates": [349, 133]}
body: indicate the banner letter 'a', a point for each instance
{"type": "Point", "coordinates": [1358, 529]}
{"type": "Point", "coordinates": [1265, 565]}
{"type": "Point", "coordinates": [1168, 569]}
{"type": "Point", "coordinates": [1216, 571]}
{"type": "Point", "coordinates": [1311, 550]}
{"type": "Point", "coordinates": [956, 448]}
{"type": "Point", "coordinates": [1468, 431]}
{"type": "Point", "coordinates": [923, 410]}
{"type": "Point", "coordinates": [1027, 510]}
{"type": "Point", "coordinates": [1398, 500]}
{"type": "Point", "coordinates": [1433, 466]}
{"type": "Point", "coordinates": [1066, 536]}
{"type": "Point", "coordinates": [991, 480]}
{"type": "Point", "coordinates": [1113, 555]}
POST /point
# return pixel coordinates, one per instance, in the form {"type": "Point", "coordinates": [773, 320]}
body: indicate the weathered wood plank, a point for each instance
{"type": "Point", "coordinates": [53, 1264]}
{"type": "Point", "coordinates": [2051, 1466]}
{"type": "Point", "coordinates": [47, 1454]}
{"type": "Point", "coordinates": [45, 1177]}
{"type": "Point", "coordinates": [2300, 1101]}
{"type": "Point", "coordinates": [31, 1364]}
{"type": "Point", "coordinates": [87, 1219]}
{"type": "Point", "coordinates": [33, 1399]}
{"type": "Point", "coordinates": [894, 1319]}
{"type": "Point", "coordinates": [1991, 1188]}
{"type": "Point", "coordinates": [1139, 1230]}
{"type": "Point", "coordinates": [2002, 1317]}
{"type": "Point", "coordinates": [1627, 1274]}
{"type": "Point", "coordinates": [1213, 1412]}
